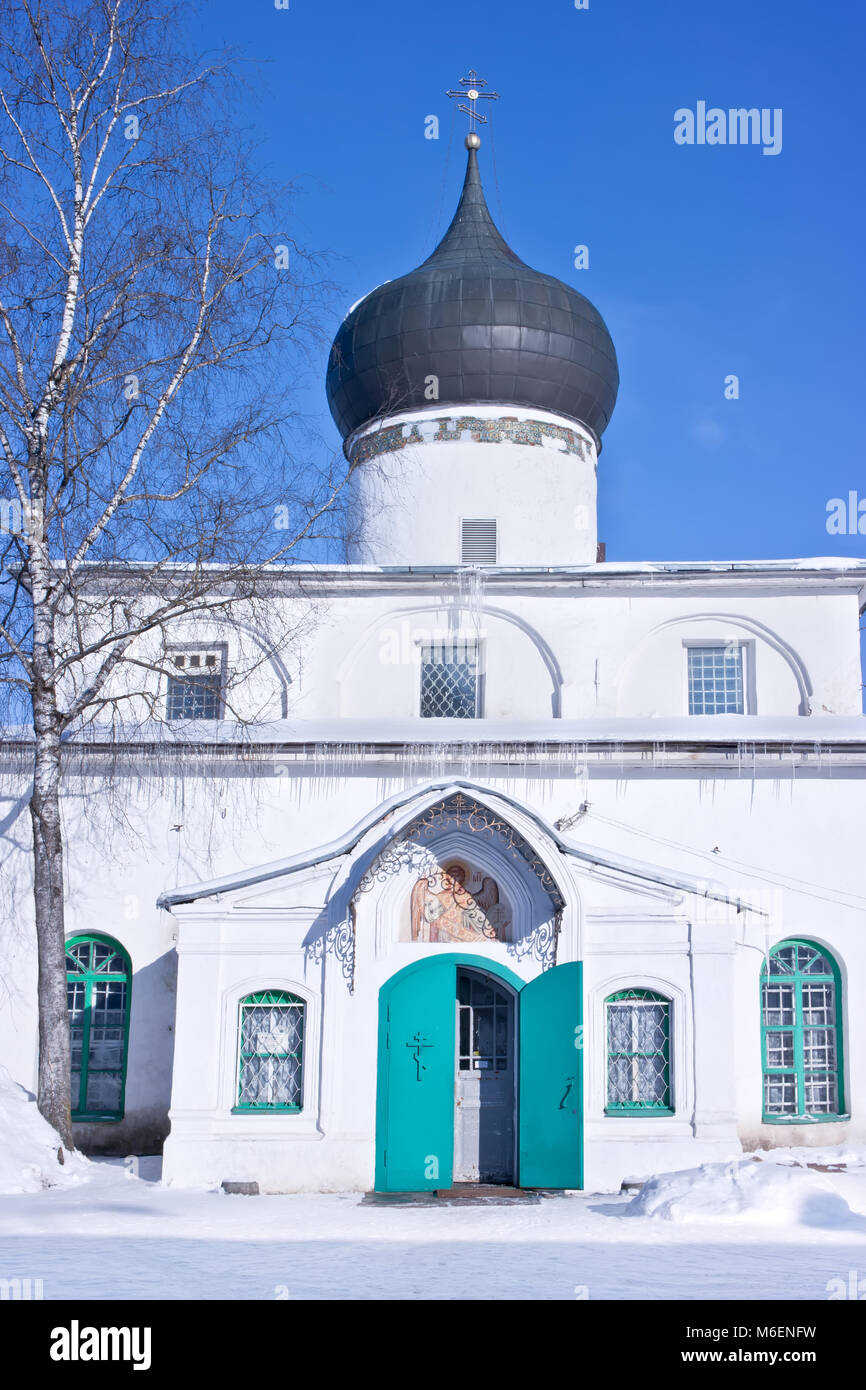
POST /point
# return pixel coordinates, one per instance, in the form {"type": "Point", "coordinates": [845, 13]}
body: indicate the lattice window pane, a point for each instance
{"type": "Point", "coordinates": [780, 1094]}
{"type": "Point", "coordinates": [449, 679]}
{"type": "Point", "coordinates": [271, 1052]}
{"type": "Point", "coordinates": [819, 1049]}
{"type": "Point", "coordinates": [651, 1022]}
{"type": "Point", "coordinates": [194, 697]}
{"type": "Point", "coordinates": [652, 1080]}
{"type": "Point", "coordinates": [716, 680]}
{"type": "Point", "coordinates": [780, 1048]}
{"type": "Point", "coordinates": [818, 1004]}
{"type": "Point", "coordinates": [779, 1005]}
{"type": "Point", "coordinates": [638, 1024]}
{"type": "Point", "coordinates": [821, 1095]}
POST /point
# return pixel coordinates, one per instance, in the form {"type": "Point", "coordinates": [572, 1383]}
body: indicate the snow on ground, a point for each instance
{"type": "Point", "coordinates": [28, 1145]}
{"type": "Point", "coordinates": [117, 1236]}
{"type": "Point", "coordinates": [838, 1155]}
{"type": "Point", "coordinates": [753, 1229]}
{"type": "Point", "coordinates": [774, 1193]}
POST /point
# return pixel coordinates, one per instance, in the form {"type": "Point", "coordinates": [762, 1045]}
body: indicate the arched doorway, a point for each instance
{"type": "Point", "coordinates": [485, 1079]}
{"type": "Point", "coordinates": [425, 1011]}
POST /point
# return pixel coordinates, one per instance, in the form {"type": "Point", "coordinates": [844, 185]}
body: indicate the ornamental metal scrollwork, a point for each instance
{"type": "Point", "coordinates": [339, 940]}
{"type": "Point", "coordinates": [402, 854]}
{"type": "Point", "coordinates": [540, 945]}
{"type": "Point", "coordinates": [459, 812]}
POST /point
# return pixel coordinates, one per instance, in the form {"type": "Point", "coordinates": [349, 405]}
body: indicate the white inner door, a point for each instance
{"type": "Point", "coordinates": [485, 1080]}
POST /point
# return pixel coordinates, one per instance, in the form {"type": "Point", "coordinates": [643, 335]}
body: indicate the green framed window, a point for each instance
{"type": "Point", "coordinates": [271, 1051]}
{"type": "Point", "coordinates": [98, 981]}
{"type": "Point", "coordinates": [801, 1034]}
{"type": "Point", "coordinates": [638, 1053]}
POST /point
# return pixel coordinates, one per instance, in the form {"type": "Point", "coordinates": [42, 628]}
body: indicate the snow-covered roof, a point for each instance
{"type": "Point", "coordinates": [827, 566]}
{"type": "Point", "coordinates": [688, 730]}
{"type": "Point", "coordinates": [444, 787]}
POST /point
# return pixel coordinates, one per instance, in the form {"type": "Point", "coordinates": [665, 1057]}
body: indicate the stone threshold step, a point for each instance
{"type": "Point", "coordinates": [462, 1194]}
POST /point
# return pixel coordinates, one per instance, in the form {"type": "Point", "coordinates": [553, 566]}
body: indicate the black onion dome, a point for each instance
{"type": "Point", "coordinates": [491, 329]}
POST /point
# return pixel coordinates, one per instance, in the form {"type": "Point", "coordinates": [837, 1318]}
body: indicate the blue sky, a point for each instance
{"type": "Point", "coordinates": [704, 261]}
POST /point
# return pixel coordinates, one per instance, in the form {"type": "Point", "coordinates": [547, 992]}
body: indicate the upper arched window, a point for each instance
{"type": "Point", "coordinates": [801, 1032]}
{"type": "Point", "coordinates": [638, 1052]}
{"type": "Point", "coordinates": [271, 1051]}
{"type": "Point", "coordinates": [98, 979]}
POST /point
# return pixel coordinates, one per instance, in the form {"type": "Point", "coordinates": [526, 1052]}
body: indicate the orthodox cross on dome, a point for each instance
{"type": "Point", "coordinates": [472, 94]}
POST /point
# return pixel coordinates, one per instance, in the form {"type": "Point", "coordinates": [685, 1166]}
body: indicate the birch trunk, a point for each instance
{"type": "Point", "coordinates": [54, 1050]}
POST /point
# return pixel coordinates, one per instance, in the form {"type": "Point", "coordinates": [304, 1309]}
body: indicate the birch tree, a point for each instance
{"type": "Point", "coordinates": [152, 308]}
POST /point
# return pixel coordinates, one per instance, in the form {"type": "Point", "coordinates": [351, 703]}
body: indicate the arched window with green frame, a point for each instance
{"type": "Point", "coordinates": [801, 1034]}
{"type": "Point", "coordinates": [271, 1052]}
{"type": "Point", "coordinates": [638, 1053]}
{"type": "Point", "coordinates": [98, 982]}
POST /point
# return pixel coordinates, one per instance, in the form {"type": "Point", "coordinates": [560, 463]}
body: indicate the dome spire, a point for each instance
{"type": "Point", "coordinates": [472, 234]}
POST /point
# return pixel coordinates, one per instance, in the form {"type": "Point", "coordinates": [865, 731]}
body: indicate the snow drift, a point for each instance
{"type": "Point", "coordinates": [28, 1145]}
{"type": "Point", "coordinates": [748, 1191]}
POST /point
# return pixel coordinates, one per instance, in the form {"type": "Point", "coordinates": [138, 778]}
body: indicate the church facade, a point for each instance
{"type": "Point", "coordinates": [530, 868]}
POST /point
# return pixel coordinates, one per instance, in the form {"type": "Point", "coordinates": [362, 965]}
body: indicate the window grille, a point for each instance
{"type": "Point", "coordinates": [195, 686]}
{"type": "Point", "coordinates": [638, 1052]}
{"type": "Point", "coordinates": [449, 679]}
{"type": "Point", "coordinates": [478, 540]}
{"type": "Point", "coordinates": [97, 994]}
{"type": "Point", "coordinates": [801, 1033]}
{"type": "Point", "coordinates": [716, 679]}
{"type": "Point", "coordinates": [271, 1051]}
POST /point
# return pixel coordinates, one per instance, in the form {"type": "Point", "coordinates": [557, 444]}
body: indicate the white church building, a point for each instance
{"type": "Point", "coordinates": [528, 868]}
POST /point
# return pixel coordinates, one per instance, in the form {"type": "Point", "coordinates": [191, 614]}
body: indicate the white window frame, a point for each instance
{"type": "Point", "coordinates": [682, 1059]}
{"type": "Point", "coordinates": [747, 656]}
{"type": "Point", "coordinates": [297, 1124]}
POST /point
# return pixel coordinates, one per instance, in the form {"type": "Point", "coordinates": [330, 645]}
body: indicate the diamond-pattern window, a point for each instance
{"type": "Point", "coordinates": [271, 1051]}
{"type": "Point", "coordinates": [638, 1052]}
{"type": "Point", "coordinates": [716, 679]}
{"type": "Point", "coordinates": [97, 994]}
{"type": "Point", "coordinates": [800, 1025]}
{"type": "Point", "coordinates": [449, 679]}
{"type": "Point", "coordinates": [196, 685]}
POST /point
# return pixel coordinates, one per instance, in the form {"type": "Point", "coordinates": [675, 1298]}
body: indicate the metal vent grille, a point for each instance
{"type": "Point", "coordinates": [478, 540]}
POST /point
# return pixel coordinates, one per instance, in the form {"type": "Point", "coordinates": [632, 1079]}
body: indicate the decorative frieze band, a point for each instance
{"type": "Point", "coordinates": [449, 429]}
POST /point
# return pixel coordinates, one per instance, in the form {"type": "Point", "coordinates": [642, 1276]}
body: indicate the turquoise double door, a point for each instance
{"type": "Point", "coordinates": [415, 1104]}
